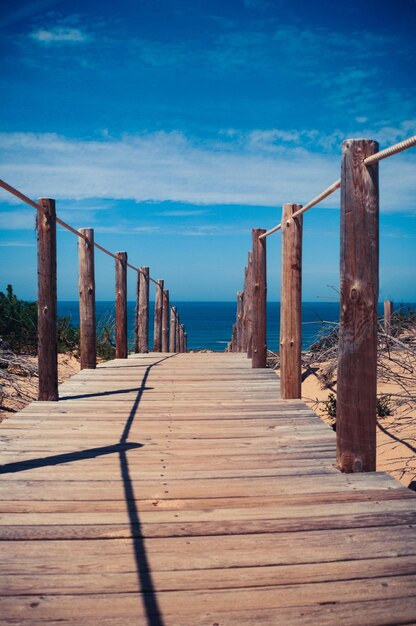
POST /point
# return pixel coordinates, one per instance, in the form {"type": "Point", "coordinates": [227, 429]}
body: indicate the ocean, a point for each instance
{"type": "Point", "coordinates": [208, 324]}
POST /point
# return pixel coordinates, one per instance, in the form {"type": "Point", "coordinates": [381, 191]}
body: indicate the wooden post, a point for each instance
{"type": "Point", "coordinates": [388, 312]}
{"type": "Point", "coordinates": [157, 332]}
{"type": "Point", "coordinates": [244, 320]}
{"type": "Point", "coordinates": [177, 333]}
{"type": "Point", "coordinates": [234, 338]}
{"type": "Point", "coordinates": [142, 312]}
{"type": "Point", "coordinates": [47, 300]}
{"type": "Point", "coordinates": [291, 304]}
{"type": "Point", "coordinates": [240, 313]}
{"type": "Point", "coordinates": [172, 335]}
{"type": "Point", "coordinates": [121, 305]}
{"type": "Point", "coordinates": [259, 295]}
{"type": "Point", "coordinates": [357, 354]}
{"type": "Point", "coordinates": [165, 321]}
{"type": "Point", "coordinates": [182, 338]}
{"type": "Point", "coordinates": [86, 288]}
{"type": "Point", "coordinates": [185, 341]}
{"type": "Point", "coordinates": [248, 304]}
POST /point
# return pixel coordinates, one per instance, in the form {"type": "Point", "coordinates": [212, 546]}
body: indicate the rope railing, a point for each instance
{"type": "Point", "coordinates": [374, 158]}
{"type": "Point", "coordinates": [359, 280]}
{"type": "Point", "coordinates": [394, 149]}
{"type": "Point", "coordinates": [47, 300]}
{"type": "Point", "coordinates": [76, 232]}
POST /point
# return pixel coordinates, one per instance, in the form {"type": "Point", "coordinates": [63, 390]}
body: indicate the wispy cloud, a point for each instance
{"type": "Point", "coordinates": [182, 213]}
{"type": "Point", "coordinates": [60, 35]}
{"type": "Point", "coordinates": [18, 220]}
{"type": "Point", "coordinates": [16, 244]}
{"type": "Point", "coordinates": [258, 168]}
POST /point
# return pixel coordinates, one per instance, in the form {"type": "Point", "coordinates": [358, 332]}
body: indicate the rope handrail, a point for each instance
{"type": "Point", "coordinates": [37, 206]}
{"type": "Point", "coordinates": [394, 149]}
{"type": "Point", "coordinates": [374, 158]}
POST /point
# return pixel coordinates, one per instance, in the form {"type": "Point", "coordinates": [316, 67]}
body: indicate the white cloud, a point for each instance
{"type": "Point", "coordinates": [60, 35]}
{"type": "Point", "coordinates": [182, 213]}
{"type": "Point", "coordinates": [170, 167]}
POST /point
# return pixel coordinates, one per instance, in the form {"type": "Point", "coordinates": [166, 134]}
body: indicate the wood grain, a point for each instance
{"type": "Point", "coordinates": [181, 489]}
{"type": "Point", "coordinates": [357, 352]}
{"type": "Point", "coordinates": [86, 289]}
{"type": "Point", "coordinates": [157, 325]}
{"type": "Point", "coordinates": [142, 313]}
{"type": "Point", "coordinates": [259, 299]}
{"type": "Point", "coordinates": [291, 303]}
{"type": "Point", "coordinates": [47, 300]}
{"type": "Point", "coordinates": [121, 305]}
{"type": "Point", "coordinates": [165, 321]}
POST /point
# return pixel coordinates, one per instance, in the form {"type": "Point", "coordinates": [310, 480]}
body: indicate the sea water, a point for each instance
{"type": "Point", "coordinates": [209, 324]}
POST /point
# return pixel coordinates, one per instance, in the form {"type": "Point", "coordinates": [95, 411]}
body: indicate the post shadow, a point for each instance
{"type": "Point", "coordinates": [144, 576]}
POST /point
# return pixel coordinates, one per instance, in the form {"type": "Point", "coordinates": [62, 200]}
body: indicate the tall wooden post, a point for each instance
{"type": "Point", "coordinates": [142, 312]}
{"type": "Point", "coordinates": [248, 304]}
{"type": "Point", "coordinates": [86, 288]}
{"type": "Point", "coordinates": [157, 333]}
{"type": "Point", "coordinates": [244, 321]}
{"type": "Point", "coordinates": [47, 300]}
{"type": "Point", "coordinates": [240, 313]}
{"type": "Point", "coordinates": [165, 321]}
{"type": "Point", "coordinates": [177, 333]}
{"type": "Point", "coordinates": [259, 295]}
{"type": "Point", "coordinates": [172, 334]}
{"type": "Point", "coordinates": [121, 305]}
{"type": "Point", "coordinates": [388, 312]}
{"type": "Point", "coordinates": [185, 340]}
{"type": "Point", "coordinates": [357, 355]}
{"type": "Point", "coordinates": [182, 338]}
{"type": "Point", "coordinates": [291, 304]}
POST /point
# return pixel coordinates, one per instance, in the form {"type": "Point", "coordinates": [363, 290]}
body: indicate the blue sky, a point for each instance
{"type": "Point", "coordinates": [172, 128]}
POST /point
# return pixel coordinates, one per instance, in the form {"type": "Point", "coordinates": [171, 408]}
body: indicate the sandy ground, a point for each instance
{"type": "Point", "coordinates": [67, 366]}
{"type": "Point", "coordinates": [396, 434]}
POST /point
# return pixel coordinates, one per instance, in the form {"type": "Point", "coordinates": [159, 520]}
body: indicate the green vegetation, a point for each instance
{"type": "Point", "coordinates": [18, 322]}
{"type": "Point", "coordinates": [384, 407]}
{"type": "Point", "coordinates": [18, 329]}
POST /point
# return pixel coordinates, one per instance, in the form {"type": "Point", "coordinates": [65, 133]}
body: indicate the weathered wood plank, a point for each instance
{"type": "Point", "coordinates": [172, 489]}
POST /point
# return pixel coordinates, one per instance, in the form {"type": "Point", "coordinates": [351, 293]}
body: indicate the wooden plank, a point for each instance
{"type": "Point", "coordinates": [189, 603]}
{"type": "Point", "coordinates": [166, 503]}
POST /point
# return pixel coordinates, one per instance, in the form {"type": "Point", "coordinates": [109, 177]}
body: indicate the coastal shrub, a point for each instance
{"type": "Point", "coordinates": [19, 321]}
{"type": "Point", "coordinates": [403, 320]}
{"type": "Point", "coordinates": [106, 349]}
{"type": "Point", "coordinates": [331, 406]}
{"type": "Point", "coordinates": [67, 335]}
{"type": "Point", "coordinates": [384, 406]}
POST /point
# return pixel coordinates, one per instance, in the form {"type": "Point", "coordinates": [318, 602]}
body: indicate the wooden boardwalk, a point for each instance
{"type": "Point", "coordinates": [179, 489]}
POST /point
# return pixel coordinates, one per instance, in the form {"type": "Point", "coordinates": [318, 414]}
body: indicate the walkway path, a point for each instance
{"type": "Point", "coordinates": [179, 489]}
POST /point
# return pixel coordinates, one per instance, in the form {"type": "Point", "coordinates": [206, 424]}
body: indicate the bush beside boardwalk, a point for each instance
{"type": "Point", "coordinates": [396, 391]}
{"type": "Point", "coordinates": [18, 348]}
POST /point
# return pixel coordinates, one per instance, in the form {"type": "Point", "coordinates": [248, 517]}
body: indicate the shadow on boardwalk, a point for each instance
{"type": "Point", "coordinates": [148, 592]}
